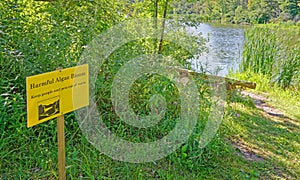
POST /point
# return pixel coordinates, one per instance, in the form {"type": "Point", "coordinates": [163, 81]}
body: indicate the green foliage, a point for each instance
{"type": "Point", "coordinates": [260, 50]}
{"type": "Point", "coordinates": [241, 16]}
{"type": "Point", "coordinates": [240, 11]}
{"type": "Point", "coordinates": [41, 36]}
{"type": "Point", "coordinates": [274, 52]}
{"type": "Point", "coordinates": [289, 6]}
{"type": "Point", "coordinates": [37, 37]}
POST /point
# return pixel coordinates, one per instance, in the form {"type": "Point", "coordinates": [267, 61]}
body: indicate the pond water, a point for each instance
{"type": "Point", "coordinates": [225, 48]}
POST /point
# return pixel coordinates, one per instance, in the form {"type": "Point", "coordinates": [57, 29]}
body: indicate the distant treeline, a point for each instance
{"type": "Point", "coordinates": [240, 11]}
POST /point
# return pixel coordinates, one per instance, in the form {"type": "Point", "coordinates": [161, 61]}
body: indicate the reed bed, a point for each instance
{"type": "Point", "coordinates": [273, 51]}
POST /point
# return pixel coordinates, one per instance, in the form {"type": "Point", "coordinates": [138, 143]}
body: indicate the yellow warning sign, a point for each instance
{"type": "Point", "coordinates": [52, 94]}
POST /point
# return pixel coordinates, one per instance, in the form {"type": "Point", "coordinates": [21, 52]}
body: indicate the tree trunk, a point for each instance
{"type": "Point", "coordinates": [163, 28]}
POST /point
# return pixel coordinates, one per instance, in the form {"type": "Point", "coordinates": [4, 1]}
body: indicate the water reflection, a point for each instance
{"type": "Point", "coordinates": [225, 47]}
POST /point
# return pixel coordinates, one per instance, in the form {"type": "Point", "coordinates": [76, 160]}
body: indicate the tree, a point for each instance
{"type": "Point", "coordinates": [290, 7]}
{"type": "Point", "coordinates": [241, 15]}
{"type": "Point", "coordinates": [259, 11]}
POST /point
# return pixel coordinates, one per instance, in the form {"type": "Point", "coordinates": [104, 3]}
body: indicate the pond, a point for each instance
{"type": "Point", "coordinates": [225, 48]}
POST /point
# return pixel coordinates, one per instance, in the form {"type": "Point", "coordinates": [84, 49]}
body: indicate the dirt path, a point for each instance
{"type": "Point", "coordinates": [260, 103]}
{"type": "Point", "coordinates": [268, 132]}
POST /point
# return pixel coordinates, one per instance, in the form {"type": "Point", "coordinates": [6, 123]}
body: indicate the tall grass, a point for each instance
{"type": "Point", "coordinates": [38, 37]}
{"type": "Point", "coordinates": [274, 52]}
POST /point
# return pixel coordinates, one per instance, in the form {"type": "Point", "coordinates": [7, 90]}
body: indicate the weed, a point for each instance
{"type": "Point", "coordinates": [273, 51]}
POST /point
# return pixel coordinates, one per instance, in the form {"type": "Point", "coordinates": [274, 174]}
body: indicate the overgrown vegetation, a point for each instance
{"type": "Point", "coordinates": [241, 11]}
{"type": "Point", "coordinates": [273, 51]}
{"type": "Point", "coordinates": [37, 37]}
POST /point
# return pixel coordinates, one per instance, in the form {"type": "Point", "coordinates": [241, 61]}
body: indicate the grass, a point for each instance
{"type": "Point", "coordinates": [248, 145]}
{"type": "Point", "coordinates": [276, 139]}
{"type": "Point", "coordinates": [40, 36]}
{"type": "Point", "coordinates": [273, 51]}
{"type": "Point", "coordinates": [284, 99]}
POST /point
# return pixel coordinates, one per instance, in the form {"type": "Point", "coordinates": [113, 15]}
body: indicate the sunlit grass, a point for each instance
{"type": "Point", "coordinates": [31, 153]}
{"type": "Point", "coordinates": [276, 139]}
{"type": "Point", "coordinates": [287, 100]}
{"type": "Point", "coordinates": [273, 51]}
